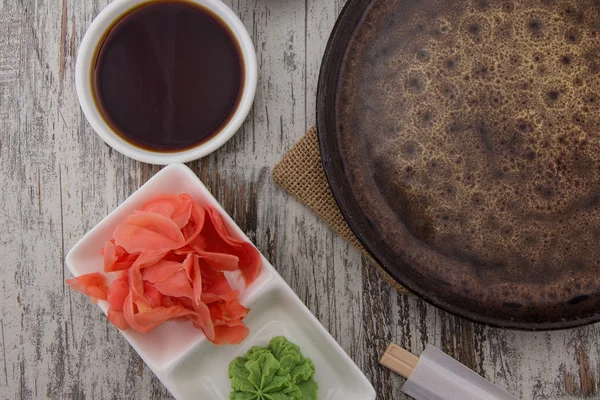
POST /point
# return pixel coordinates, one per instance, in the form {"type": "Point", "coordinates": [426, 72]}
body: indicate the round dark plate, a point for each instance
{"type": "Point", "coordinates": [461, 140]}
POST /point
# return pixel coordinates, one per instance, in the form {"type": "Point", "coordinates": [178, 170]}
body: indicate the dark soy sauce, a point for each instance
{"type": "Point", "coordinates": [168, 75]}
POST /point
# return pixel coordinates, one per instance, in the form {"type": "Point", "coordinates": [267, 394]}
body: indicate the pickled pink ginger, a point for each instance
{"type": "Point", "coordinates": [169, 257]}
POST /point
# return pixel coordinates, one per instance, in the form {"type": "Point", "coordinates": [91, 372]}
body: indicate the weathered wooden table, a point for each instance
{"type": "Point", "coordinates": [58, 179]}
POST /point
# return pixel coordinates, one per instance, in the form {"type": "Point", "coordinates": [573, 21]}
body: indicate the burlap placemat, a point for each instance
{"type": "Point", "coordinates": [300, 172]}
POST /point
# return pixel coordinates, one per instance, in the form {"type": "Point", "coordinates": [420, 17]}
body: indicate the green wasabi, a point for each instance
{"type": "Point", "coordinates": [276, 372]}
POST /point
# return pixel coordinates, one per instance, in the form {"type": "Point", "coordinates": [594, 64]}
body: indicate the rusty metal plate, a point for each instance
{"type": "Point", "coordinates": [461, 140]}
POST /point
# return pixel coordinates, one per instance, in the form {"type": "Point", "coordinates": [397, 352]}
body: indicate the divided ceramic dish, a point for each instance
{"type": "Point", "coordinates": [188, 364]}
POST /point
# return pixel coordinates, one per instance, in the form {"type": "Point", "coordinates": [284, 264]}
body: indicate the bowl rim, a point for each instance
{"type": "Point", "coordinates": [87, 53]}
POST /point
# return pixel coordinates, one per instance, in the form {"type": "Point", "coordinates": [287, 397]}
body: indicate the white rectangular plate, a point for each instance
{"type": "Point", "coordinates": [189, 365]}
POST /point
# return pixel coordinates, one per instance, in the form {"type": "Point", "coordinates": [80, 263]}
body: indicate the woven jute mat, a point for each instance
{"type": "Point", "coordinates": [301, 173]}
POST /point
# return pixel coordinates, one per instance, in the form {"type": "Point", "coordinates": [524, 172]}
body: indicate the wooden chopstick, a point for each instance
{"type": "Point", "coordinates": [399, 360]}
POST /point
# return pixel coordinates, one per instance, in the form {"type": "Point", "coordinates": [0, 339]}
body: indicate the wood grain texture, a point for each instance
{"type": "Point", "coordinates": [59, 179]}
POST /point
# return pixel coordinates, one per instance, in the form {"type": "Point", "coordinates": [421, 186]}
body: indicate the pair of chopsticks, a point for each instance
{"type": "Point", "coordinates": [437, 376]}
{"type": "Point", "coordinates": [399, 360]}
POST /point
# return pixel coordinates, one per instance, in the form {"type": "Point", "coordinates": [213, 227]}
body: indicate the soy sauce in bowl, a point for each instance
{"type": "Point", "coordinates": [168, 76]}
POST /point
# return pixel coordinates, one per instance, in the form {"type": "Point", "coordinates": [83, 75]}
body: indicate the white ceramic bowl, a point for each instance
{"type": "Point", "coordinates": [189, 365]}
{"type": "Point", "coordinates": [83, 82]}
